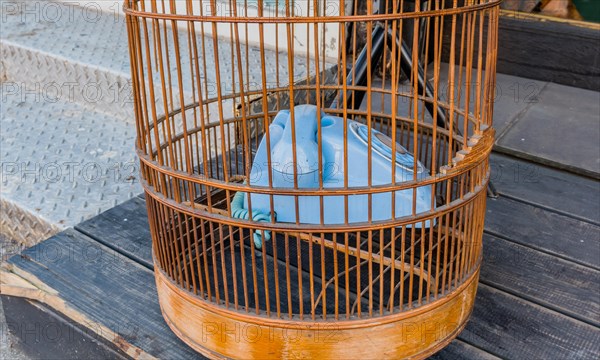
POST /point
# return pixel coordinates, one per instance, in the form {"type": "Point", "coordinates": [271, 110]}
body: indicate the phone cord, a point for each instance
{"type": "Point", "coordinates": [239, 212]}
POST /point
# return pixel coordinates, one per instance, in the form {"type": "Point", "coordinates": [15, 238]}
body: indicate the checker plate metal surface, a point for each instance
{"type": "Point", "coordinates": [63, 163]}
{"type": "Point", "coordinates": [67, 130]}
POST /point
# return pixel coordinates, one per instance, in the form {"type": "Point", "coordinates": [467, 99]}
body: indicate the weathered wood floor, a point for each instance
{"type": "Point", "coordinates": [538, 298]}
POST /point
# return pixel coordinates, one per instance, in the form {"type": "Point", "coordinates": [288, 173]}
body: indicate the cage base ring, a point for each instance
{"type": "Point", "coordinates": [212, 331]}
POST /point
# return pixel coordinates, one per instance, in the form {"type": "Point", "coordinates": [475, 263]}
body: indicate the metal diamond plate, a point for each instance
{"type": "Point", "coordinates": [89, 49]}
{"type": "Point", "coordinates": [63, 163]}
{"type": "Point", "coordinates": [31, 71]}
{"type": "Point", "coordinates": [67, 129]}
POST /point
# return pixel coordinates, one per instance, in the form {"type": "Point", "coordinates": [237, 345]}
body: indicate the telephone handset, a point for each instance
{"type": "Point", "coordinates": [307, 170]}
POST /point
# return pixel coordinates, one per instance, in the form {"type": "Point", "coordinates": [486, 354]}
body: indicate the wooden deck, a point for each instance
{"type": "Point", "coordinates": [538, 296]}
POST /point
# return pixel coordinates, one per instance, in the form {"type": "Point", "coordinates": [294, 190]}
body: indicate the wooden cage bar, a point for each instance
{"type": "Point", "coordinates": [209, 77]}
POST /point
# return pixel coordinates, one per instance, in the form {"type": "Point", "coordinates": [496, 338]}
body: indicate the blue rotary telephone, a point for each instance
{"type": "Point", "coordinates": [307, 165]}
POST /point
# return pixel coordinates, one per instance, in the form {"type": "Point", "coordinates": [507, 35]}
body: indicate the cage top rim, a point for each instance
{"type": "Point", "coordinates": [129, 10]}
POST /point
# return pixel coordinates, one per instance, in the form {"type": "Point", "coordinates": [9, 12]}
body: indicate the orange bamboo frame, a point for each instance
{"type": "Point", "coordinates": [201, 109]}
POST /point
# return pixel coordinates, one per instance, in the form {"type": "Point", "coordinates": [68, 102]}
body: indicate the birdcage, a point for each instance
{"type": "Point", "coordinates": [315, 170]}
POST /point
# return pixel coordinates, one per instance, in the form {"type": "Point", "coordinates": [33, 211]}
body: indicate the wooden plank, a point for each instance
{"type": "Point", "coordinates": [524, 220]}
{"type": "Point", "coordinates": [558, 284]}
{"type": "Point", "coordinates": [107, 290]}
{"type": "Point", "coordinates": [45, 256]}
{"type": "Point", "coordinates": [543, 48]}
{"type": "Point", "coordinates": [547, 187]}
{"type": "Point", "coordinates": [510, 327]}
{"type": "Point", "coordinates": [552, 117]}
{"type": "Point", "coordinates": [46, 334]}
{"type": "Point", "coordinates": [549, 50]}
{"type": "Point", "coordinates": [460, 350]}
{"type": "Point", "coordinates": [123, 228]}
{"type": "Point", "coordinates": [519, 5]}
{"type": "Point", "coordinates": [540, 185]}
{"type": "Point", "coordinates": [544, 230]}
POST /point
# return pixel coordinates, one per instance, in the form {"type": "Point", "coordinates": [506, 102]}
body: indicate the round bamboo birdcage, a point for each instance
{"type": "Point", "coordinates": [315, 170]}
